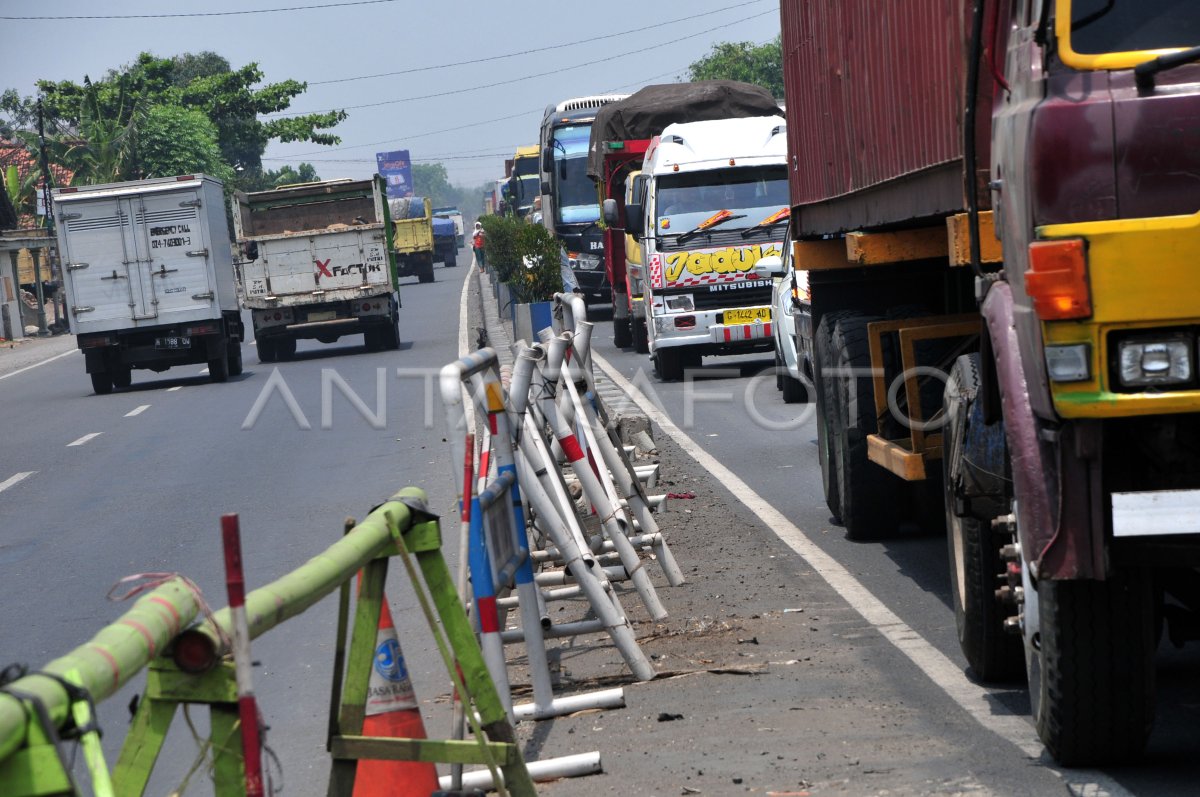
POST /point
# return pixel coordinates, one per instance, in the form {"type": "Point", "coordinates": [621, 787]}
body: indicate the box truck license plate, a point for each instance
{"type": "Point", "coordinates": [324, 315]}
{"type": "Point", "coordinates": [174, 342]}
{"type": "Point", "coordinates": [748, 315]}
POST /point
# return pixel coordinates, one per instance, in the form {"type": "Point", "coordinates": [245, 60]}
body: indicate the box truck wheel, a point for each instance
{"type": "Point", "coordinates": [668, 364]}
{"type": "Point", "coordinates": [102, 382]}
{"type": "Point", "coordinates": [122, 376]}
{"type": "Point", "coordinates": [870, 496]}
{"type": "Point", "coordinates": [218, 367]}
{"type": "Point", "coordinates": [973, 468]}
{"type": "Point", "coordinates": [1090, 658]}
{"type": "Point", "coordinates": [452, 259]}
{"type": "Point", "coordinates": [234, 357]}
{"type": "Point", "coordinates": [425, 274]}
{"type": "Point", "coordinates": [393, 337]}
{"type": "Point", "coordinates": [266, 350]}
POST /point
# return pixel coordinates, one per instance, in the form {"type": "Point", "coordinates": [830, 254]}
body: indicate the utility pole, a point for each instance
{"type": "Point", "coordinates": [37, 265]}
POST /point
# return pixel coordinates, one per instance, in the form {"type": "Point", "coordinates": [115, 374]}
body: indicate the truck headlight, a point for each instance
{"type": "Point", "coordinates": [680, 303]}
{"type": "Point", "coordinates": [1069, 363]}
{"type": "Point", "coordinates": [1149, 362]}
{"type": "Point", "coordinates": [586, 262]}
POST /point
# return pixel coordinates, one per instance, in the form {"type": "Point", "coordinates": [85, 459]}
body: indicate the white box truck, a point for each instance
{"type": "Point", "coordinates": [318, 263]}
{"type": "Point", "coordinates": [148, 272]}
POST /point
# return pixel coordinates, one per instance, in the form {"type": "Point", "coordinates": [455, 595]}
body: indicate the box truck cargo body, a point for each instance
{"type": "Point", "coordinates": [148, 272]}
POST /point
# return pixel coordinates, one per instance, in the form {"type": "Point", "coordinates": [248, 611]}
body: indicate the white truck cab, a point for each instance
{"type": "Point", "coordinates": [714, 202]}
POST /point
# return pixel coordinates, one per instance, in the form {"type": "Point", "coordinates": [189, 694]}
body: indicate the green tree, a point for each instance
{"type": "Point", "coordinates": [760, 64]}
{"type": "Point", "coordinates": [232, 99]}
{"type": "Point", "coordinates": [431, 180]}
{"type": "Point", "coordinates": [175, 140]}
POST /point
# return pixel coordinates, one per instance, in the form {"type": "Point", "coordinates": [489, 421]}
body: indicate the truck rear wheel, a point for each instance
{"type": "Point", "coordinates": [641, 336]}
{"type": "Point", "coordinates": [393, 337]}
{"type": "Point", "coordinates": [426, 272]}
{"type": "Point", "coordinates": [826, 453]}
{"type": "Point", "coordinates": [102, 382]}
{"type": "Point", "coordinates": [870, 496]}
{"type": "Point", "coordinates": [266, 350]}
{"type": "Point", "coordinates": [234, 357]}
{"type": "Point", "coordinates": [668, 364]}
{"type": "Point", "coordinates": [622, 328]}
{"type": "Point", "coordinates": [122, 376]}
{"type": "Point", "coordinates": [218, 367]}
{"type": "Point", "coordinates": [285, 347]}
{"type": "Point", "coordinates": [973, 469]}
{"type": "Point", "coordinates": [1090, 658]}
{"type": "Point", "coordinates": [452, 259]}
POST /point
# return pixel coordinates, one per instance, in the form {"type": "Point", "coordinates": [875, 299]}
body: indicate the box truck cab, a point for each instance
{"type": "Point", "coordinates": [714, 202]}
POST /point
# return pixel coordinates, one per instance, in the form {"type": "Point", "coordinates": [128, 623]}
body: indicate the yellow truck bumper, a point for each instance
{"type": "Point", "coordinates": [1142, 275]}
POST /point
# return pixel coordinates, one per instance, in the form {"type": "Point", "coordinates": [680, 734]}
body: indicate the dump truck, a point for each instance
{"type": "Point", "coordinates": [620, 136]}
{"type": "Point", "coordinates": [317, 263]}
{"type": "Point", "coordinates": [999, 219]}
{"type": "Point", "coordinates": [149, 277]}
{"type": "Point", "coordinates": [412, 238]}
{"type": "Point", "coordinates": [523, 185]}
{"type": "Point", "coordinates": [456, 216]}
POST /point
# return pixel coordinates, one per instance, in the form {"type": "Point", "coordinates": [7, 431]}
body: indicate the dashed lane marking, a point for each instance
{"type": "Point", "coordinates": [173, 389]}
{"type": "Point", "coordinates": [84, 439]}
{"type": "Point", "coordinates": [137, 410]}
{"type": "Point", "coordinates": [39, 364]}
{"type": "Point", "coordinates": [948, 676]}
{"type": "Point", "coordinates": [203, 371]}
{"type": "Point", "coordinates": [15, 479]}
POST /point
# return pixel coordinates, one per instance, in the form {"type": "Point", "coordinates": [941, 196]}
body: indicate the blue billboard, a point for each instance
{"type": "Point", "coordinates": [396, 169]}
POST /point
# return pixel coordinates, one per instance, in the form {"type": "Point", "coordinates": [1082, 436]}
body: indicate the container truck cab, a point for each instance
{"type": "Point", "coordinates": [569, 206]}
{"type": "Point", "coordinates": [524, 183]}
{"type": "Point", "coordinates": [714, 202]}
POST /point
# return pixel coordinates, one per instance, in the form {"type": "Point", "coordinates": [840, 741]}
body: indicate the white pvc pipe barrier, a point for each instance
{"type": "Point", "coordinates": [571, 766]}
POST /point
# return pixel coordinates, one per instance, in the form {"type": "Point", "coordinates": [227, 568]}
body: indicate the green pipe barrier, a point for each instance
{"type": "Point", "coordinates": [103, 665]}
{"type": "Point", "coordinates": [286, 597]}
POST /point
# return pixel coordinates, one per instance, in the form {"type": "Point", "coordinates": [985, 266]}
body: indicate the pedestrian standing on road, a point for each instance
{"type": "Point", "coordinates": [477, 245]}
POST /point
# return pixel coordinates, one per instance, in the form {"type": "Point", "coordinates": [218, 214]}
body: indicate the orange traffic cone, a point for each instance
{"type": "Point", "coordinates": [392, 712]}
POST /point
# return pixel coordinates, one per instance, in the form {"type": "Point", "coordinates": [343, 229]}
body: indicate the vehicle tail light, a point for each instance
{"type": "Point", "coordinates": [366, 307]}
{"type": "Point", "coordinates": [278, 316]}
{"type": "Point", "coordinates": [1057, 280]}
{"type": "Point", "coordinates": [202, 329]}
{"type": "Point", "coordinates": [685, 322]}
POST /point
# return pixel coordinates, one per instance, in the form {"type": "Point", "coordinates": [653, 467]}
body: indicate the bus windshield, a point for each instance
{"type": "Point", "coordinates": [1121, 26]}
{"type": "Point", "coordinates": [575, 195]}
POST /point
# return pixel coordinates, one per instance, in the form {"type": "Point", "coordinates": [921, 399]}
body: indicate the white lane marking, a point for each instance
{"type": "Point", "coordinates": [84, 439]}
{"type": "Point", "coordinates": [203, 371]}
{"type": "Point", "coordinates": [173, 389]}
{"type": "Point", "coordinates": [14, 479]}
{"type": "Point", "coordinates": [252, 342]}
{"type": "Point", "coordinates": [137, 410]}
{"type": "Point", "coordinates": [945, 673]}
{"type": "Point", "coordinates": [39, 364]}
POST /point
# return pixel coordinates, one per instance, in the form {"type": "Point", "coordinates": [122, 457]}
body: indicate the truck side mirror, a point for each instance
{"type": "Point", "coordinates": [547, 160]}
{"type": "Point", "coordinates": [633, 220]}
{"type": "Point", "coordinates": [769, 267]}
{"type": "Point", "coordinates": [610, 212]}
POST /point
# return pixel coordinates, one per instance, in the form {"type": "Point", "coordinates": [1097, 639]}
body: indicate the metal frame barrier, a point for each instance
{"type": "Point", "coordinates": [35, 709]}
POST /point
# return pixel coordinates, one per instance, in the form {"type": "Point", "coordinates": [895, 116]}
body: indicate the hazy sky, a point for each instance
{"type": "Point", "coordinates": [329, 47]}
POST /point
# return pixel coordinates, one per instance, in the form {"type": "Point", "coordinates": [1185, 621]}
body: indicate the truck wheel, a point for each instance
{"type": "Point", "coordinates": [234, 357]}
{"type": "Point", "coordinates": [218, 367]}
{"type": "Point", "coordinates": [870, 496]}
{"type": "Point", "coordinates": [266, 350]}
{"type": "Point", "coordinates": [1090, 657]}
{"type": "Point", "coordinates": [779, 370]}
{"type": "Point", "coordinates": [393, 337]}
{"type": "Point", "coordinates": [641, 336]}
{"type": "Point", "coordinates": [826, 453]}
{"type": "Point", "coordinates": [668, 365]}
{"type": "Point", "coordinates": [794, 391]}
{"type": "Point", "coordinates": [452, 260]}
{"type": "Point", "coordinates": [122, 376]}
{"type": "Point", "coordinates": [973, 458]}
{"type": "Point", "coordinates": [426, 272]}
{"type": "Point", "coordinates": [622, 327]}
{"type": "Point", "coordinates": [102, 382]}
{"type": "Point", "coordinates": [285, 347]}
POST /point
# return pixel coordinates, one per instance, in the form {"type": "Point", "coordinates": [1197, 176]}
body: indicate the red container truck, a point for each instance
{"type": "Point", "coordinates": [995, 202]}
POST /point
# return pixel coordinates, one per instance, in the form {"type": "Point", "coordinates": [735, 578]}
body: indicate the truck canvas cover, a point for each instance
{"type": "Point", "coordinates": [645, 113]}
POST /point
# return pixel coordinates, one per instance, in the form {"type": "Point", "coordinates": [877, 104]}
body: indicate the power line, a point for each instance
{"type": "Point", "coordinates": [430, 159]}
{"type": "Point", "coordinates": [530, 52]}
{"type": "Point", "coordinates": [523, 77]}
{"type": "Point", "coordinates": [211, 13]}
